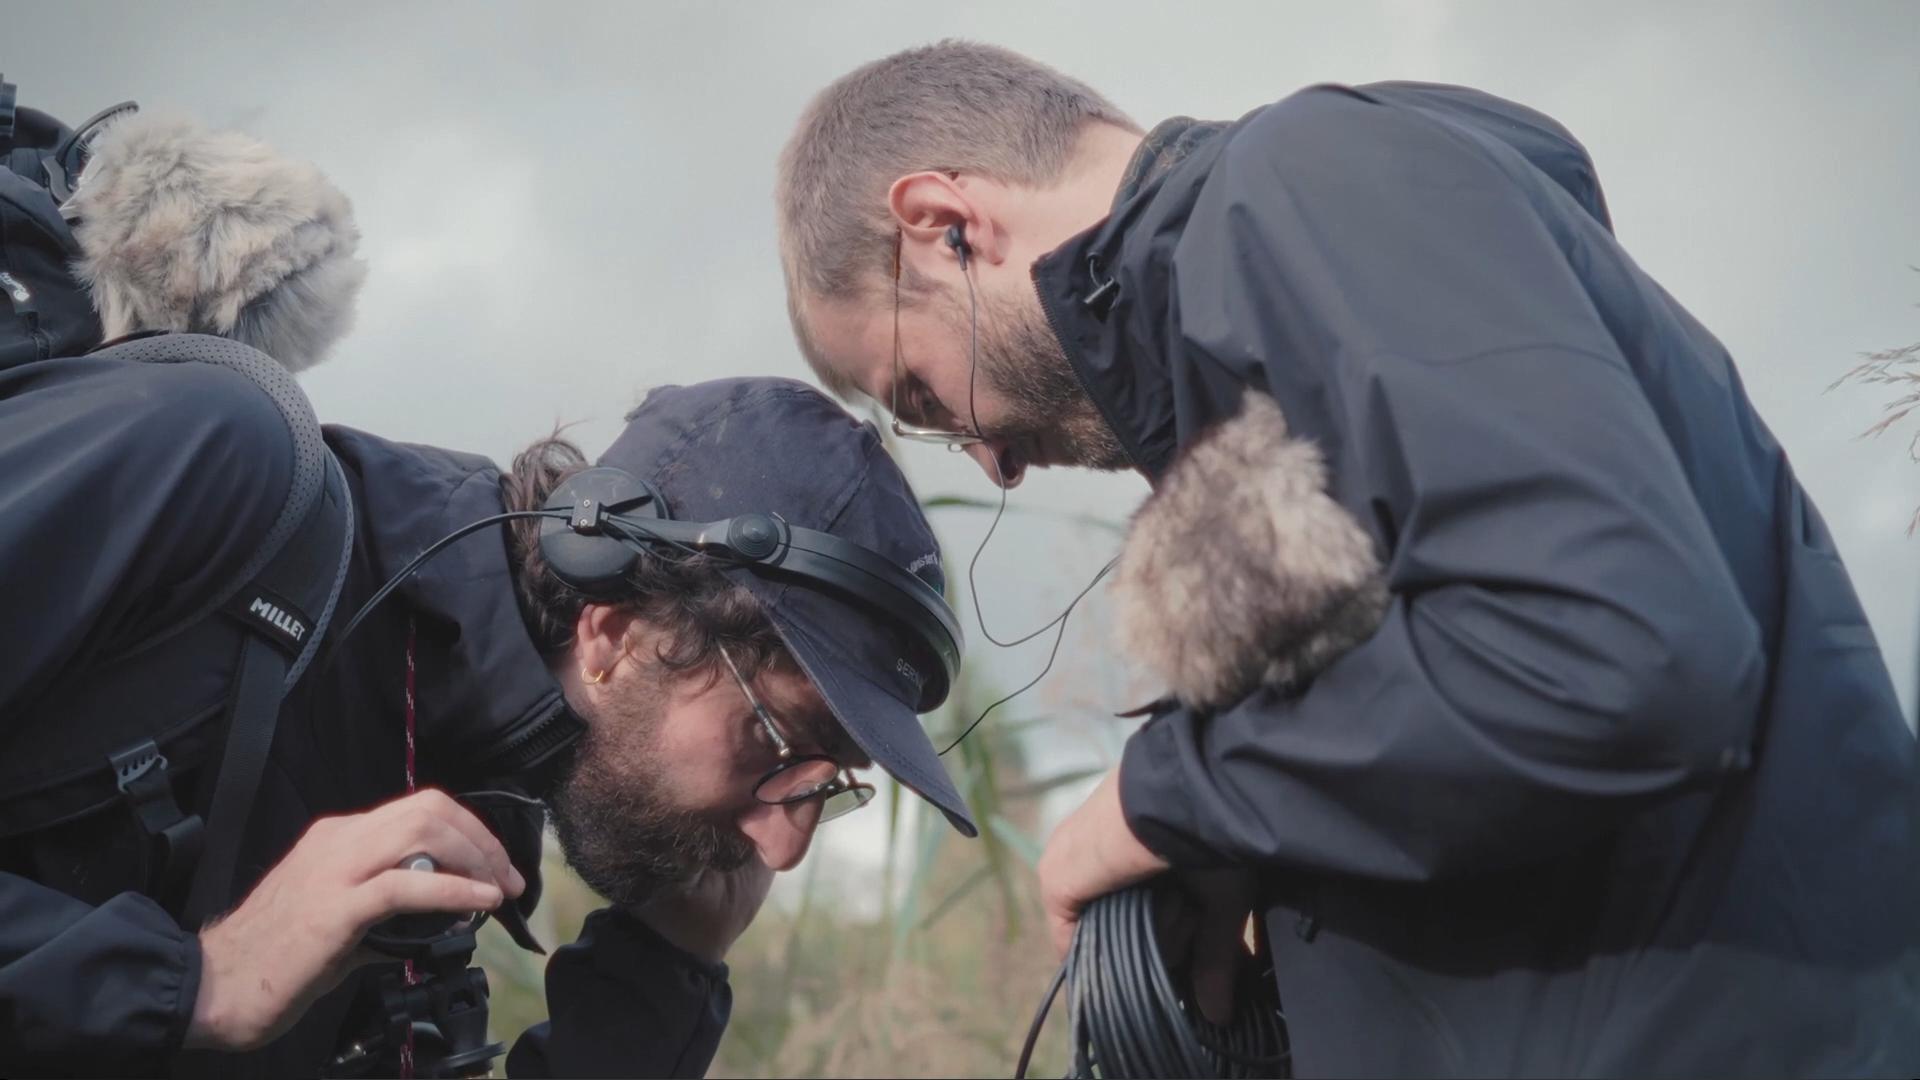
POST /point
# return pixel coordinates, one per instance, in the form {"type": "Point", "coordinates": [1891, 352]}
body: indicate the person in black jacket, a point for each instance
{"type": "Point", "coordinates": [130, 490]}
{"type": "Point", "coordinates": [1511, 672]}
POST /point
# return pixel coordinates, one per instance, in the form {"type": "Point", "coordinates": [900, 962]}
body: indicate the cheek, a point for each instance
{"type": "Point", "coordinates": [694, 760]}
{"type": "Point", "coordinates": [936, 349]}
{"type": "Point", "coordinates": [698, 755]}
{"type": "Point", "coordinates": [963, 392]}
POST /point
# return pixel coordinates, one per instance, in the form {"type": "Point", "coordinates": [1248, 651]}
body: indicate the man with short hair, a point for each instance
{"type": "Point", "coordinates": [1507, 661]}
{"type": "Point", "coordinates": [689, 721]}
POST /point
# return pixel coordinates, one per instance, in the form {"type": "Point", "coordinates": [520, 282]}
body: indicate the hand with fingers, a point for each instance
{"type": "Point", "coordinates": [1203, 914]}
{"type": "Point", "coordinates": [1201, 921]}
{"type": "Point", "coordinates": [298, 933]}
{"type": "Point", "coordinates": [1091, 853]}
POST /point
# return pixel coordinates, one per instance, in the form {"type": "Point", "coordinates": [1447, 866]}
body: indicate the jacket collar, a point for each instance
{"type": "Point", "coordinates": [1167, 145]}
{"type": "Point", "coordinates": [1092, 289]}
{"type": "Point", "coordinates": [1240, 494]}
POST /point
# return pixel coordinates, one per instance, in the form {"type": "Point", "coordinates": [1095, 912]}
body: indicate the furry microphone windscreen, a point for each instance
{"type": "Point", "coordinates": [186, 229]}
{"type": "Point", "coordinates": [1240, 570]}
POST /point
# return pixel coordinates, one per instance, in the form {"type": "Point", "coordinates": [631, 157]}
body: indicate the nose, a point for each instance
{"type": "Point", "coordinates": [997, 459]}
{"type": "Point", "coordinates": [781, 834]}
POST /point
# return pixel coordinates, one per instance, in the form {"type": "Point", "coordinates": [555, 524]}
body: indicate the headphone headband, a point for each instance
{"type": "Point", "coordinates": [615, 516]}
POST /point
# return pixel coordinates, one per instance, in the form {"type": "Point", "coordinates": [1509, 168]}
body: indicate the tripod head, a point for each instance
{"type": "Point", "coordinates": [444, 1010]}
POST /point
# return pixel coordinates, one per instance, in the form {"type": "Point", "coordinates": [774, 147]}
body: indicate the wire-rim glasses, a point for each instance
{"type": "Point", "coordinates": [800, 777]}
{"type": "Point", "coordinates": [938, 436]}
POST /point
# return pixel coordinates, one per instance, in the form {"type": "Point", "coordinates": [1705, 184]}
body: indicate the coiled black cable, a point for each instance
{"type": "Point", "coordinates": [1126, 1019]}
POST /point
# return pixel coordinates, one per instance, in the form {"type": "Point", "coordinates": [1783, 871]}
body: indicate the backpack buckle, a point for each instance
{"type": "Point", "coordinates": [135, 763]}
{"type": "Point", "coordinates": [140, 772]}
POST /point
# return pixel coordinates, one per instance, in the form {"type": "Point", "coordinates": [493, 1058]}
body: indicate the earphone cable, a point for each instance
{"type": "Point", "coordinates": [1000, 477]}
{"type": "Point", "coordinates": [1052, 654]}
{"type": "Point", "coordinates": [973, 565]}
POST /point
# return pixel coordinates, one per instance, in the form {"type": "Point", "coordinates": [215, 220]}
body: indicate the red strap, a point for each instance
{"type": "Point", "coordinates": [406, 1048]}
{"type": "Point", "coordinates": [410, 718]}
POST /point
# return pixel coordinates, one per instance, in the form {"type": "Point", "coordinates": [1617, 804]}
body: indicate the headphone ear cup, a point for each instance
{"type": "Point", "coordinates": [595, 564]}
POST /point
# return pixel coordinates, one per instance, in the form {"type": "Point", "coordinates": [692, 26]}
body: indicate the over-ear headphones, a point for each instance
{"type": "Point", "coordinates": [614, 516]}
{"type": "Point", "coordinates": [957, 240]}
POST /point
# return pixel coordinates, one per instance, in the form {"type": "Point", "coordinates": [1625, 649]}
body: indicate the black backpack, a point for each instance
{"type": "Point", "coordinates": [203, 696]}
{"type": "Point", "coordinates": [44, 312]}
{"type": "Point", "coordinates": [115, 736]}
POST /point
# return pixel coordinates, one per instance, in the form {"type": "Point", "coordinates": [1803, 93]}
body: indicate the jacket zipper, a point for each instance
{"type": "Point", "coordinates": [540, 740]}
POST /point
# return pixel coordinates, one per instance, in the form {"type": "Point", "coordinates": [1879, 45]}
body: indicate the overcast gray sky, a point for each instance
{"type": "Point", "coordinates": [564, 204]}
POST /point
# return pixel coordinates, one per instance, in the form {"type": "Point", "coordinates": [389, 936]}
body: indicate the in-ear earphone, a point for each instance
{"type": "Point", "coordinates": [957, 240]}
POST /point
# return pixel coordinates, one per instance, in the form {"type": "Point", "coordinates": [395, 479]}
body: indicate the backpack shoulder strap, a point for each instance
{"type": "Point", "coordinates": [268, 669]}
{"type": "Point", "coordinates": [284, 596]}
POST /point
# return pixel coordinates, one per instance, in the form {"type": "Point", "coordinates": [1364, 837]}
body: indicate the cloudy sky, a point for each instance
{"type": "Point", "coordinates": [565, 204]}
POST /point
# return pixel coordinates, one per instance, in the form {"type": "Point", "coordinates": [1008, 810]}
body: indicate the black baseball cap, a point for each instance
{"type": "Point", "coordinates": [736, 446]}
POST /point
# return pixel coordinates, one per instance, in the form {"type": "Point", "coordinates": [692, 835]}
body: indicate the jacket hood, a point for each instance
{"type": "Point", "coordinates": [483, 689]}
{"type": "Point", "coordinates": [1119, 273]}
{"type": "Point", "coordinates": [1241, 569]}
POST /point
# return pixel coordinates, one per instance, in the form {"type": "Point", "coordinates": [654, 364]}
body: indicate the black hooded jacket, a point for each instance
{"type": "Point", "coordinates": [129, 492]}
{"type": "Point", "coordinates": [1510, 653]}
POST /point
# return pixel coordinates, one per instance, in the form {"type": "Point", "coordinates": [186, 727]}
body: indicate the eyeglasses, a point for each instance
{"type": "Point", "coordinates": [950, 439]}
{"type": "Point", "coordinates": [800, 777]}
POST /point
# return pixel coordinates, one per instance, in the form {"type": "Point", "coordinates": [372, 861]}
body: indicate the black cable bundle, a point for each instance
{"type": "Point", "coordinates": [1126, 1018]}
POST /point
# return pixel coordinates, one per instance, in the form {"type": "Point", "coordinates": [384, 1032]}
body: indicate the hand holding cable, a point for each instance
{"type": "Point", "coordinates": [1118, 944]}
{"type": "Point", "coordinates": [1094, 853]}
{"type": "Point", "coordinates": [1127, 1015]}
{"type": "Point", "coordinates": [1091, 853]}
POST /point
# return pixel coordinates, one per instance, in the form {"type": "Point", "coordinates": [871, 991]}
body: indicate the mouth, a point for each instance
{"type": "Point", "coordinates": [1011, 461]}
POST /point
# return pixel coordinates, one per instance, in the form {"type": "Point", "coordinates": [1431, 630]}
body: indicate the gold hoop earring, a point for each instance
{"type": "Point", "coordinates": [597, 677]}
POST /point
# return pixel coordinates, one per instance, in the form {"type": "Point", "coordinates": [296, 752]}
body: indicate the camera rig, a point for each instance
{"type": "Point", "coordinates": [429, 1016]}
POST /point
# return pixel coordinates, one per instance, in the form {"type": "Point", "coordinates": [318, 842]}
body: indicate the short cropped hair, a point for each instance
{"type": "Point", "coordinates": [955, 106]}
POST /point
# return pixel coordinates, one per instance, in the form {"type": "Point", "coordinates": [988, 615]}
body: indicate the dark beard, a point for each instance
{"type": "Point", "coordinates": [1023, 363]}
{"type": "Point", "coordinates": [617, 829]}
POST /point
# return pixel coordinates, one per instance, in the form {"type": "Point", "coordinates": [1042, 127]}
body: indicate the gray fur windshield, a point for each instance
{"type": "Point", "coordinates": [1240, 570]}
{"type": "Point", "coordinates": [182, 228]}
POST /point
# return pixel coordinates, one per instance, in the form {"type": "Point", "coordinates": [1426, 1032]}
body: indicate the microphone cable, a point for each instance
{"type": "Point", "coordinates": [1126, 1019]}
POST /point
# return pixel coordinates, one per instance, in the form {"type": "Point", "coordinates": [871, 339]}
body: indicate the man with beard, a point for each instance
{"type": "Point", "coordinates": [688, 721]}
{"type": "Point", "coordinates": [1512, 675]}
